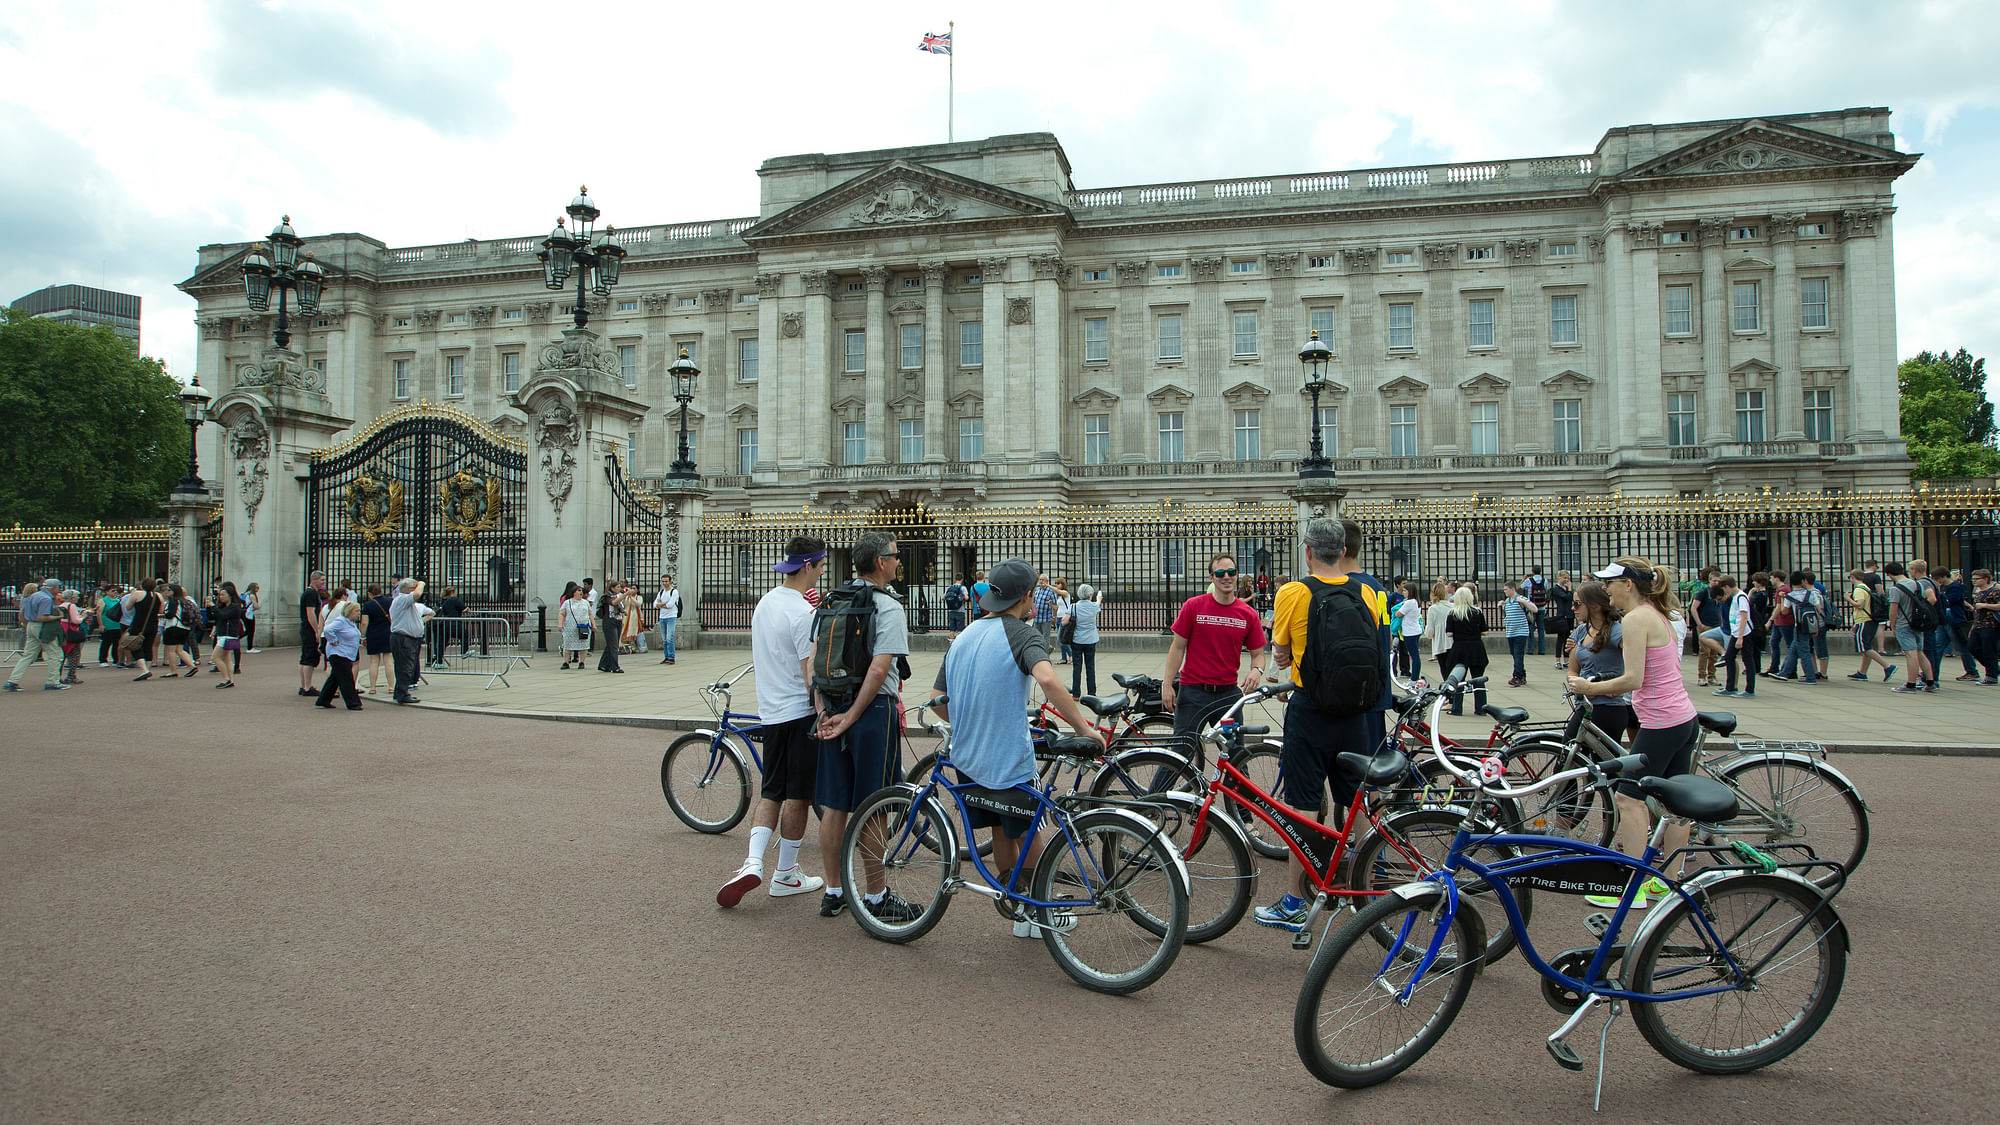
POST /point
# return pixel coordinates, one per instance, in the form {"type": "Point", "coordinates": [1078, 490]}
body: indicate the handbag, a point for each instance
{"type": "Point", "coordinates": [1067, 634]}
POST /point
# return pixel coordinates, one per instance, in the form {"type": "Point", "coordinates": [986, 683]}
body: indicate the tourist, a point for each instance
{"type": "Point", "coordinates": [1064, 628]}
{"type": "Point", "coordinates": [1203, 674]}
{"type": "Point", "coordinates": [611, 617]}
{"type": "Point", "coordinates": [590, 595]}
{"type": "Point", "coordinates": [448, 626]}
{"type": "Point", "coordinates": [1409, 630]}
{"type": "Point", "coordinates": [1707, 606]}
{"type": "Point", "coordinates": [667, 603]}
{"type": "Point", "coordinates": [1985, 606]}
{"type": "Point", "coordinates": [1045, 607]}
{"type": "Point", "coordinates": [1519, 613]}
{"type": "Point", "coordinates": [407, 614]}
{"type": "Point", "coordinates": [74, 624]}
{"type": "Point", "coordinates": [1938, 645]}
{"type": "Point", "coordinates": [573, 620]}
{"type": "Point", "coordinates": [252, 606]}
{"type": "Point", "coordinates": [1871, 609]}
{"type": "Point", "coordinates": [1804, 602]}
{"type": "Point", "coordinates": [1535, 588]}
{"type": "Point", "coordinates": [343, 648]}
{"type": "Point", "coordinates": [142, 625]}
{"type": "Point", "coordinates": [230, 618]}
{"type": "Point", "coordinates": [1466, 626]}
{"type": "Point", "coordinates": [1597, 652]}
{"type": "Point", "coordinates": [1736, 630]}
{"type": "Point", "coordinates": [857, 753]}
{"type": "Point", "coordinates": [1782, 626]}
{"type": "Point", "coordinates": [376, 638]}
{"type": "Point", "coordinates": [1561, 612]}
{"type": "Point", "coordinates": [1082, 627]}
{"type": "Point", "coordinates": [955, 597]}
{"type": "Point", "coordinates": [1434, 630]}
{"type": "Point", "coordinates": [632, 634]}
{"type": "Point", "coordinates": [781, 641]}
{"type": "Point", "coordinates": [175, 615]}
{"type": "Point", "coordinates": [312, 619]}
{"type": "Point", "coordinates": [110, 625]}
{"type": "Point", "coordinates": [1904, 592]}
{"type": "Point", "coordinates": [1958, 617]}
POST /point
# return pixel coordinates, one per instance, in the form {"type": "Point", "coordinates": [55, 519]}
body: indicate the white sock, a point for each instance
{"type": "Point", "coordinates": [788, 853]}
{"type": "Point", "coordinates": [760, 842]}
{"type": "Point", "coordinates": [833, 892]}
{"type": "Point", "coordinates": [875, 899]}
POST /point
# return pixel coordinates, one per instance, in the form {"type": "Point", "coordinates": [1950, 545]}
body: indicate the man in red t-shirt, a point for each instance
{"type": "Point", "coordinates": [1203, 674]}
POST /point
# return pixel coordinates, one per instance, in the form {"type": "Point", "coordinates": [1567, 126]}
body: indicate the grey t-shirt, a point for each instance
{"type": "Point", "coordinates": [892, 636]}
{"type": "Point", "coordinates": [1902, 595]}
{"type": "Point", "coordinates": [1607, 663]}
{"type": "Point", "coordinates": [1026, 643]}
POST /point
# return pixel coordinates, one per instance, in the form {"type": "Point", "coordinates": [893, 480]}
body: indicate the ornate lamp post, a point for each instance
{"type": "Point", "coordinates": [194, 410]}
{"type": "Point", "coordinates": [594, 261]}
{"type": "Point", "coordinates": [1315, 356]}
{"type": "Point", "coordinates": [684, 372]}
{"type": "Point", "coordinates": [282, 270]}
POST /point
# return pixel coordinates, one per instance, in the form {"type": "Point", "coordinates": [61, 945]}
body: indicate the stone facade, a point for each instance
{"type": "Point", "coordinates": [1687, 308]}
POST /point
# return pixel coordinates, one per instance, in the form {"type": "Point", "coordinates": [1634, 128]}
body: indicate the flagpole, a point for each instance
{"type": "Point", "coordinates": [950, 83]}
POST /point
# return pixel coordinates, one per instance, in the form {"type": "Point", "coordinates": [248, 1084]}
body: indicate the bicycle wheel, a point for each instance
{"type": "Point", "coordinates": [706, 782]}
{"type": "Point", "coordinates": [1350, 1024]}
{"type": "Point", "coordinates": [1222, 874]}
{"type": "Point", "coordinates": [886, 834]}
{"type": "Point", "coordinates": [1573, 810]}
{"type": "Point", "coordinates": [1380, 863]}
{"type": "Point", "coordinates": [1141, 773]}
{"type": "Point", "coordinates": [1125, 906]}
{"type": "Point", "coordinates": [1803, 802]}
{"type": "Point", "coordinates": [1796, 975]}
{"type": "Point", "coordinates": [1262, 765]}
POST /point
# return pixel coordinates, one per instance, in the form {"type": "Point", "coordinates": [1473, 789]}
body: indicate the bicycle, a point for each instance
{"type": "Point", "coordinates": [705, 773]}
{"type": "Point", "coordinates": [1320, 849]}
{"type": "Point", "coordinates": [1108, 896]}
{"type": "Point", "coordinates": [1739, 935]}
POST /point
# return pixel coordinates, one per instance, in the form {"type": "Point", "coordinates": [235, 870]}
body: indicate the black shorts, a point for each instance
{"type": "Point", "coordinates": [1613, 719]}
{"type": "Point", "coordinates": [1312, 740]}
{"type": "Point", "coordinates": [977, 815]}
{"type": "Point", "coordinates": [1198, 703]}
{"type": "Point", "coordinates": [791, 760]}
{"type": "Point", "coordinates": [1669, 752]}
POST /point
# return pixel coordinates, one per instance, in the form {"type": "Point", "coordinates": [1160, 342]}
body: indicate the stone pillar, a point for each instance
{"type": "Point", "coordinates": [1314, 497]}
{"type": "Point", "coordinates": [937, 445]}
{"type": "Point", "coordinates": [817, 374]}
{"type": "Point", "coordinates": [1868, 328]}
{"type": "Point", "coordinates": [186, 512]}
{"type": "Point", "coordinates": [776, 427]}
{"type": "Point", "coordinates": [1138, 351]}
{"type": "Point", "coordinates": [1208, 435]}
{"type": "Point", "coordinates": [993, 389]}
{"type": "Point", "coordinates": [1647, 405]}
{"type": "Point", "coordinates": [876, 382]}
{"type": "Point", "coordinates": [579, 414]}
{"type": "Point", "coordinates": [1366, 422]}
{"type": "Point", "coordinates": [1716, 420]}
{"type": "Point", "coordinates": [1788, 408]}
{"type": "Point", "coordinates": [1288, 424]}
{"type": "Point", "coordinates": [681, 503]}
{"type": "Point", "coordinates": [1051, 410]}
{"type": "Point", "coordinates": [276, 417]}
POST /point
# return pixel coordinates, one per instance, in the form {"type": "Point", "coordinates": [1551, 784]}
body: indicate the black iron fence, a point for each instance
{"type": "Point", "coordinates": [632, 543]}
{"type": "Point", "coordinates": [83, 556]}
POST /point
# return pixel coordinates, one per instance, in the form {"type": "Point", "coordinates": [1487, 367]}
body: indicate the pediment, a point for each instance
{"type": "Point", "coordinates": [1753, 367]}
{"type": "Point", "coordinates": [1096, 398]}
{"type": "Point", "coordinates": [851, 408]}
{"type": "Point", "coordinates": [1485, 383]}
{"type": "Point", "coordinates": [1748, 263]}
{"type": "Point", "coordinates": [1327, 388]}
{"type": "Point", "coordinates": [1568, 382]}
{"type": "Point", "coordinates": [967, 401]}
{"type": "Point", "coordinates": [1403, 386]}
{"type": "Point", "coordinates": [1246, 390]}
{"type": "Point", "coordinates": [1764, 147]}
{"type": "Point", "coordinates": [899, 195]}
{"type": "Point", "coordinates": [1170, 392]}
{"type": "Point", "coordinates": [744, 413]}
{"type": "Point", "coordinates": [907, 405]}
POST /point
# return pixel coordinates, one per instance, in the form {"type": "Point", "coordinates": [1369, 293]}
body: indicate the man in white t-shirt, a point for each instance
{"type": "Point", "coordinates": [668, 603]}
{"type": "Point", "coordinates": [781, 647]}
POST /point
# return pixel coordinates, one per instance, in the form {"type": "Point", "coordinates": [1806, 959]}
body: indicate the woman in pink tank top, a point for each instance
{"type": "Point", "coordinates": [1667, 727]}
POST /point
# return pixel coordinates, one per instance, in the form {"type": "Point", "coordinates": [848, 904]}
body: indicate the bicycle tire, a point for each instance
{"type": "Point", "coordinates": [1127, 933]}
{"type": "Point", "coordinates": [706, 782]}
{"type": "Point", "coordinates": [1222, 873]}
{"type": "Point", "coordinates": [1574, 810]}
{"type": "Point", "coordinates": [1345, 1019]}
{"type": "Point", "coordinates": [898, 847]}
{"type": "Point", "coordinates": [1378, 866]}
{"type": "Point", "coordinates": [1263, 765]}
{"type": "Point", "coordinates": [1139, 773]}
{"type": "Point", "coordinates": [1676, 947]}
{"type": "Point", "coordinates": [1815, 806]}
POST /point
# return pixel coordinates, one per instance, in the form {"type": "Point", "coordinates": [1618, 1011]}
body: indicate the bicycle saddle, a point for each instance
{"type": "Point", "coordinates": [1104, 705]}
{"type": "Point", "coordinates": [1135, 680]}
{"type": "Point", "coordinates": [1070, 746]}
{"type": "Point", "coordinates": [1721, 722]}
{"type": "Point", "coordinates": [1387, 766]}
{"type": "Point", "coordinates": [1693, 796]}
{"type": "Point", "coordinates": [1505, 716]}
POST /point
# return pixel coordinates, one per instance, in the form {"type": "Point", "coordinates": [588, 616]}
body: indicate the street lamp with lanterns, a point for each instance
{"type": "Point", "coordinates": [282, 269]}
{"type": "Point", "coordinates": [194, 410]}
{"type": "Point", "coordinates": [1315, 356]}
{"type": "Point", "coordinates": [594, 259]}
{"type": "Point", "coordinates": [683, 373]}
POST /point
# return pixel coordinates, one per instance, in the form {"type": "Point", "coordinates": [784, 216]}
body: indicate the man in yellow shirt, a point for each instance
{"type": "Point", "coordinates": [1314, 737]}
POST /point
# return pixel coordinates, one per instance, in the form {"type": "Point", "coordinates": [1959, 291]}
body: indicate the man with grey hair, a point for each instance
{"type": "Point", "coordinates": [406, 637]}
{"type": "Point", "coordinates": [41, 636]}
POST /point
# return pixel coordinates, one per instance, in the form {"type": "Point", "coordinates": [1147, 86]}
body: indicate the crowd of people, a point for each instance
{"type": "Point", "coordinates": [155, 622]}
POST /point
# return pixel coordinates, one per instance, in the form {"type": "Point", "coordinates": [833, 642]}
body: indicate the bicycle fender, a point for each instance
{"type": "Point", "coordinates": [1795, 758]}
{"type": "Point", "coordinates": [1708, 879]}
{"type": "Point", "coordinates": [1474, 924]}
{"type": "Point", "coordinates": [1148, 829]}
{"type": "Point", "coordinates": [1219, 818]}
{"type": "Point", "coordinates": [709, 732]}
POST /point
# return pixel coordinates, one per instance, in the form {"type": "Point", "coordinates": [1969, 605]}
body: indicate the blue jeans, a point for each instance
{"type": "Point", "coordinates": [1934, 643]}
{"type": "Point", "coordinates": [1799, 659]}
{"type": "Point", "coordinates": [1518, 646]}
{"type": "Point", "coordinates": [1538, 631]}
{"type": "Point", "coordinates": [667, 637]}
{"type": "Point", "coordinates": [1084, 670]}
{"type": "Point", "coordinates": [1781, 644]}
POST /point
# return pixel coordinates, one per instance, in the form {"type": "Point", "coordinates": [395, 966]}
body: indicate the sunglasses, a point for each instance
{"type": "Point", "coordinates": [1230, 573]}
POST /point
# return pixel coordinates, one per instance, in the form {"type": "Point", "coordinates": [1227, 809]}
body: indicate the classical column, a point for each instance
{"type": "Point", "coordinates": [1444, 358]}
{"type": "Point", "coordinates": [1052, 274]}
{"type": "Point", "coordinates": [1782, 317]}
{"type": "Point", "coordinates": [1208, 421]}
{"type": "Point", "coordinates": [1647, 405]}
{"type": "Point", "coordinates": [936, 340]}
{"type": "Point", "coordinates": [429, 380]}
{"type": "Point", "coordinates": [482, 390]}
{"type": "Point", "coordinates": [1868, 327]}
{"type": "Point", "coordinates": [876, 278]}
{"type": "Point", "coordinates": [997, 418]}
{"type": "Point", "coordinates": [1288, 426]}
{"type": "Point", "coordinates": [1138, 363]}
{"type": "Point", "coordinates": [813, 342]}
{"type": "Point", "coordinates": [777, 428]}
{"type": "Point", "coordinates": [1618, 331]}
{"type": "Point", "coordinates": [1716, 421]}
{"type": "Point", "coordinates": [681, 503]}
{"type": "Point", "coordinates": [715, 449]}
{"type": "Point", "coordinates": [1365, 424]}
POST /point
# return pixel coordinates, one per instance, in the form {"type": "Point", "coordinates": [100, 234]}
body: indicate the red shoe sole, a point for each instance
{"type": "Point", "coordinates": [733, 891]}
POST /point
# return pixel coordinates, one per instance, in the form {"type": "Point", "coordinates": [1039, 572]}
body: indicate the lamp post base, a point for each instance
{"type": "Point", "coordinates": [1311, 470]}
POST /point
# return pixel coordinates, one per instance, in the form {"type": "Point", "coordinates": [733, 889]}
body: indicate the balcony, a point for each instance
{"type": "Point", "coordinates": [928, 471]}
{"type": "Point", "coordinates": [1763, 451]}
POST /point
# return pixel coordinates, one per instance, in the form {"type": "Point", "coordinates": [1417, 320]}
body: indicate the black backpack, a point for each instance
{"type": "Point", "coordinates": [1923, 614]}
{"type": "Point", "coordinates": [954, 597]}
{"type": "Point", "coordinates": [843, 641]}
{"type": "Point", "coordinates": [1341, 669]}
{"type": "Point", "coordinates": [1808, 612]}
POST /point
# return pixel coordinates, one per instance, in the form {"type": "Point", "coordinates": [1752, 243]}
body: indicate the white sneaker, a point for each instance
{"type": "Point", "coordinates": [1061, 922]}
{"type": "Point", "coordinates": [792, 881]}
{"type": "Point", "coordinates": [254, 650]}
{"type": "Point", "coordinates": [742, 883]}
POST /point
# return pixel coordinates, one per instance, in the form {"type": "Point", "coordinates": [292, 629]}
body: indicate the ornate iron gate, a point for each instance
{"type": "Point", "coordinates": [632, 545]}
{"type": "Point", "coordinates": [426, 491]}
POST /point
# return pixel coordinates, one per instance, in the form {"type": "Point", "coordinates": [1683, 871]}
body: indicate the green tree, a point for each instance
{"type": "Point", "coordinates": [1947, 419]}
{"type": "Point", "coordinates": [89, 429]}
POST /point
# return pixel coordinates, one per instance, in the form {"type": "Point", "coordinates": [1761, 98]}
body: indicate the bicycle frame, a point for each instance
{"type": "Point", "coordinates": [747, 733]}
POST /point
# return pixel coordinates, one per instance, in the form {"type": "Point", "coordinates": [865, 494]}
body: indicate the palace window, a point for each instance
{"type": "Point", "coordinates": [1173, 443]}
{"type": "Point", "coordinates": [1243, 267]}
{"type": "Point", "coordinates": [1321, 321]}
{"type": "Point", "coordinates": [1819, 414]}
{"type": "Point", "coordinates": [1680, 310]}
{"type": "Point", "coordinates": [1249, 435]}
{"type": "Point", "coordinates": [1167, 271]}
{"type": "Point", "coordinates": [1486, 556]}
{"type": "Point", "coordinates": [400, 369]}
{"type": "Point", "coordinates": [972, 439]}
{"type": "Point", "coordinates": [628, 364]}
{"type": "Point", "coordinates": [1562, 249]}
{"type": "Point", "coordinates": [1402, 431]}
{"type": "Point", "coordinates": [1096, 340]}
{"type": "Point", "coordinates": [1329, 430]}
{"type": "Point", "coordinates": [855, 341]}
{"type": "Point", "coordinates": [1479, 317]}
{"type": "Point", "coordinates": [1097, 275]}
{"type": "Point", "coordinates": [1485, 428]}
{"type": "Point", "coordinates": [510, 371]}
{"type": "Point", "coordinates": [1096, 439]}
{"type": "Point", "coordinates": [911, 441]}
{"type": "Point", "coordinates": [1170, 335]}
{"type": "Point", "coordinates": [1400, 257]}
{"type": "Point", "coordinates": [1479, 253]}
{"type": "Point", "coordinates": [1402, 327]}
{"type": "Point", "coordinates": [1749, 415]}
{"type": "Point", "coordinates": [971, 343]}
{"type": "Point", "coordinates": [910, 341]}
{"type": "Point", "coordinates": [853, 443]}
{"type": "Point", "coordinates": [454, 375]}
{"type": "Point", "coordinates": [1746, 315]}
{"type": "Point", "coordinates": [1812, 302]}
{"type": "Point", "coordinates": [628, 306]}
{"type": "Point", "coordinates": [1680, 419]}
{"type": "Point", "coordinates": [746, 451]}
{"type": "Point", "coordinates": [1097, 558]}
{"type": "Point", "coordinates": [1173, 558]}
{"type": "Point", "coordinates": [1243, 327]}
{"type": "Point", "coordinates": [746, 359]}
{"type": "Point", "coordinates": [1569, 425]}
{"type": "Point", "coordinates": [1562, 321]}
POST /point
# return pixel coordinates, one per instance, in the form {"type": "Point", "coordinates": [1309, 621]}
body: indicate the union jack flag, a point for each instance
{"type": "Point", "coordinates": [936, 44]}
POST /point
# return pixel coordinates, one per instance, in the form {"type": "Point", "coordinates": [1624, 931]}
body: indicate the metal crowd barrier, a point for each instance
{"type": "Point", "coordinates": [474, 645]}
{"type": "Point", "coordinates": [12, 637]}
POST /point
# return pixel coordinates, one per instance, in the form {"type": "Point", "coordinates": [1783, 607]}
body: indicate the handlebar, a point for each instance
{"type": "Point", "coordinates": [1598, 772]}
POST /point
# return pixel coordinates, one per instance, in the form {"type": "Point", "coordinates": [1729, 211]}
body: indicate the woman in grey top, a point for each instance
{"type": "Point", "coordinates": [1083, 641]}
{"type": "Point", "coordinates": [1596, 655]}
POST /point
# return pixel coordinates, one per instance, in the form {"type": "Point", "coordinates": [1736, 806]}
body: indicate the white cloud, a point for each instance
{"type": "Point", "coordinates": [434, 121]}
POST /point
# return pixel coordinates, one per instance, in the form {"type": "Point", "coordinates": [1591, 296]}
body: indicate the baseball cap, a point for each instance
{"type": "Point", "coordinates": [792, 564]}
{"type": "Point", "coordinates": [1008, 582]}
{"type": "Point", "coordinates": [1620, 570]}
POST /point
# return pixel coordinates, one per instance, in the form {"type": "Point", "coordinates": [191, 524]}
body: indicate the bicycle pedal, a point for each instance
{"type": "Point", "coordinates": [1597, 923]}
{"type": "Point", "coordinates": [1565, 1055]}
{"type": "Point", "coordinates": [1302, 940]}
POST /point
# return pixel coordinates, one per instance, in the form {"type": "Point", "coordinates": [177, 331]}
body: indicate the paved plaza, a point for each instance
{"type": "Point", "coordinates": [229, 907]}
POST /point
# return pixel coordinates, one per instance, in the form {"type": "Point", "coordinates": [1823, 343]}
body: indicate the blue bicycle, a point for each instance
{"type": "Point", "coordinates": [705, 773]}
{"type": "Point", "coordinates": [1109, 895]}
{"type": "Point", "coordinates": [1729, 971]}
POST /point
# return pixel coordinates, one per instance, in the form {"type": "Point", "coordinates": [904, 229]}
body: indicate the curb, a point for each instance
{"type": "Point", "coordinates": [678, 723]}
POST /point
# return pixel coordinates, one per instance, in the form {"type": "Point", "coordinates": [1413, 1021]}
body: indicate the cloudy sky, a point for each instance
{"type": "Point", "coordinates": [132, 133]}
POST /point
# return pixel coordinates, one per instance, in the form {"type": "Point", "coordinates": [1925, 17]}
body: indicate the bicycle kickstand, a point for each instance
{"type": "Point", "coordinates": [1303, 939]}
{"type": "Point", "coordinates": [1597, 1103]}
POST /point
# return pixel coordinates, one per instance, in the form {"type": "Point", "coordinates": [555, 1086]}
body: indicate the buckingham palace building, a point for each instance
{"type": "Point", "coordinates": [1686, 308]}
